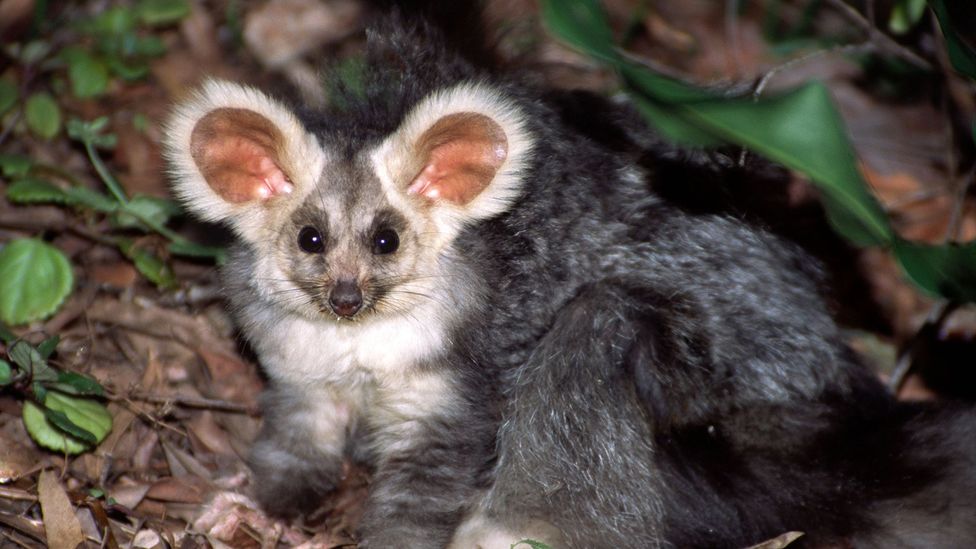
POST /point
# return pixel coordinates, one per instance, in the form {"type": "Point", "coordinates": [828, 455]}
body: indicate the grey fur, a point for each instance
{"type": "Point", "coordinates": [626, 372]}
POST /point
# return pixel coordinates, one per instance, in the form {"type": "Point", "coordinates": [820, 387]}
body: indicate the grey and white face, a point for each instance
{"type": "Point", "coordinates": [350, 252]}
{"type": "Point", "coordinates": [348, 237]}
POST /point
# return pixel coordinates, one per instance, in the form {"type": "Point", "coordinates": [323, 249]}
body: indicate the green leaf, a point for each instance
{"type": "Point", "coordinates": [150, 46]}
{"type": "Point", "coordinates": [153, 268]}
{"type": "Point", "coordinates": [43, 115]}
{"type": "Point", "coordinates": [8, 95]}
{"type": "Point", "coordinates": [15, 165]}
{"type": "Point", "coordinates": [583, 24]}
{"type": "Point", "coordinates": [95, 200]}
{"type": "Point", "coordinates": [48, 346]}
{"type": "Point", "coordinates": [192, 249]}
{"type": "Point", "coordinates": [31, 190]}
{"type": "Point", "coordinates": [802, 130]}
{"type": "Point", "coordinates": [962, 55]}
{"type": "Point", "coordinates": [130, 70]}
{"type": "Point", "coordinates": [162, 12]}
{"type": "Point", "coordinates": [35, 277]}
{"type": "Point", "coordinates": [6, 373]}
{"type": "Point", "coordinates": [46, 434]}
{"type": "Point", "coordinates": [30, 360]}
{"type": "Point", "coordinates": [88, 75]}
{"type": "Point", "coordinates": [112, 22]}
{"type": "Point", "coordinates": [90, 132]}
{"type": "Point", "coordinates": [947, 270]}
{"type": "Point", "coordinates": [61, 421]}
{"type": "Point", "coordinates": [85, 413]}
{"type": "Point", "coordinates": [6, 336]}
{"type": "Point", "coordinates": [77, 384]}
{"type": "Point", "coordinates": [156, 210]}
{"type": "Point", "coordinates": [905, 14]}
{"type": "Point", "coordinates": [33, 52]}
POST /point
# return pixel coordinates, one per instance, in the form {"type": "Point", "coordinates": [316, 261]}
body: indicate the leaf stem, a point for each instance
{"type": "Point", "coordinates": [103, 173]}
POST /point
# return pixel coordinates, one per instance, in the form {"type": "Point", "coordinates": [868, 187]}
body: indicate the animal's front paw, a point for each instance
{"type": "Point", "coordinates": [287, 484]}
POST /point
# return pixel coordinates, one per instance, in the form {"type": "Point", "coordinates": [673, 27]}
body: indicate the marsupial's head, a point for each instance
{"type": "Point", "coordinates": [346, 232]}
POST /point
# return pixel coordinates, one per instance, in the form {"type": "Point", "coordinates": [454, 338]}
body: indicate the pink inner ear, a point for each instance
{"type": "Point", "coordinates": [236, 150]}
{"type": "Point", "coordinates": [460, 154]}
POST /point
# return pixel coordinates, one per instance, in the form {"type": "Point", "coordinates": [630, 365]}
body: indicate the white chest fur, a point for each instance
{"type": "Point", "coordinates": [363, 371]}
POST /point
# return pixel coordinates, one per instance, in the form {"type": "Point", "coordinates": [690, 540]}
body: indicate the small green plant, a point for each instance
{"type": "Point", "coordinates": [140, 214]}
{"type": "Point", "coordinates": [61, 411]}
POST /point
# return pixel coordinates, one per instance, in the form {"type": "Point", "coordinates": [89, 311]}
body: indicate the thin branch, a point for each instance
{"type": "Point", "coordinates": [883, 41]}
{"type": "Point", "coordinates": [193, 402]}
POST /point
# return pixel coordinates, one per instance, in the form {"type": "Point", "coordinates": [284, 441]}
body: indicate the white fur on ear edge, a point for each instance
{"type": "Point", "coordinates": [391, 157]}
{"type": "Point", "coordinates": [301, 157]}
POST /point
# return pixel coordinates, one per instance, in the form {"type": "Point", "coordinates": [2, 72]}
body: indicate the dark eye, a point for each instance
{"type": "Point", "coordinates": [385, 241]}
{"type": "Point", "coordinates": [310, 240]}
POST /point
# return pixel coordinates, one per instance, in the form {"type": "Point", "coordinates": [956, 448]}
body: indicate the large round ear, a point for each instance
{"type": "Point", "coordinates": [238, 156]}
{"type": "Point", "coordinates": [460, 152]}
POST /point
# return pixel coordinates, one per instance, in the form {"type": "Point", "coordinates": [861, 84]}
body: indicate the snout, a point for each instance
{"type": "Point", "coordinates": [346, 298]}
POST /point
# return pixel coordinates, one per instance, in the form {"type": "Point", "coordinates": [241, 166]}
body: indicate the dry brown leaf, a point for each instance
{"type": "Point", "coordinates": [128, 495]}
{"type": "Point", "coordinates": [60, 523]}
{"type": "Point", "coordinates": [779, 541]}
{"type": "Point", "coordinates": [16, 459]}
{"type": "Point", "coordinates": [185, 489]}
{"type": "Point", "coordinates": [182, 464]}
{"type": "Point", "coordinates": [210, 435]}
{"type": "Point", "coordinates": [120, 274]}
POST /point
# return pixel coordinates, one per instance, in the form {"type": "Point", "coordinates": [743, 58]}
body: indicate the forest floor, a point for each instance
{"type": "Point", "coordinates": [181, 387]}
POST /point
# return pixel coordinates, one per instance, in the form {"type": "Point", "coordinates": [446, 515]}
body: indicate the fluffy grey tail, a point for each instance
{"type": "Point", "coordinates": [942, 512]}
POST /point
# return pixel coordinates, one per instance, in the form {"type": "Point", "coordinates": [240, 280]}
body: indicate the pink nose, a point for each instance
{"type": "Point", "coordinates": [345, 298]}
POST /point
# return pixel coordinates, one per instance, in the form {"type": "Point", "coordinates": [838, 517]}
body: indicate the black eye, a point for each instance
{"type": "Point", "coordinates": [385, 241]}
{"type": "Point", "coordinates": [310, 240]}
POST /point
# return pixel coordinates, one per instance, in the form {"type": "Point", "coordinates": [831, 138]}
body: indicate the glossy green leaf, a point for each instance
{"type": "Point", "coordinates": [947, 270]}
{"type": "Point", "coordinates": [35, 277]}
{"type": "Point", "coordinates": [61, 421]}
{"type": "Point", "coordinates": [6, 373]}
{"type": "Point", "coordinates": [962, 55]}
{"type": "Point", "coordinates": [30, 360]}
{"type": "Point", "coordinates": [88, 75]}
{"type": "Point", "coordinates": [85, 413]}
{"type": "Point", "coordinates": [583, 24]}
{"type": "Point", "coordinates": [8, 95]}
{"type": "Point", "coordinates": [46, 434]}
{"type": "Point", "coordinates": [162, 12]}
{"type": "Point", "coordinates": [77, 384]}
{"type": "Point", "coordinates": [802, 130]}
{"type": "Point", "coordinates": [43, 115]}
